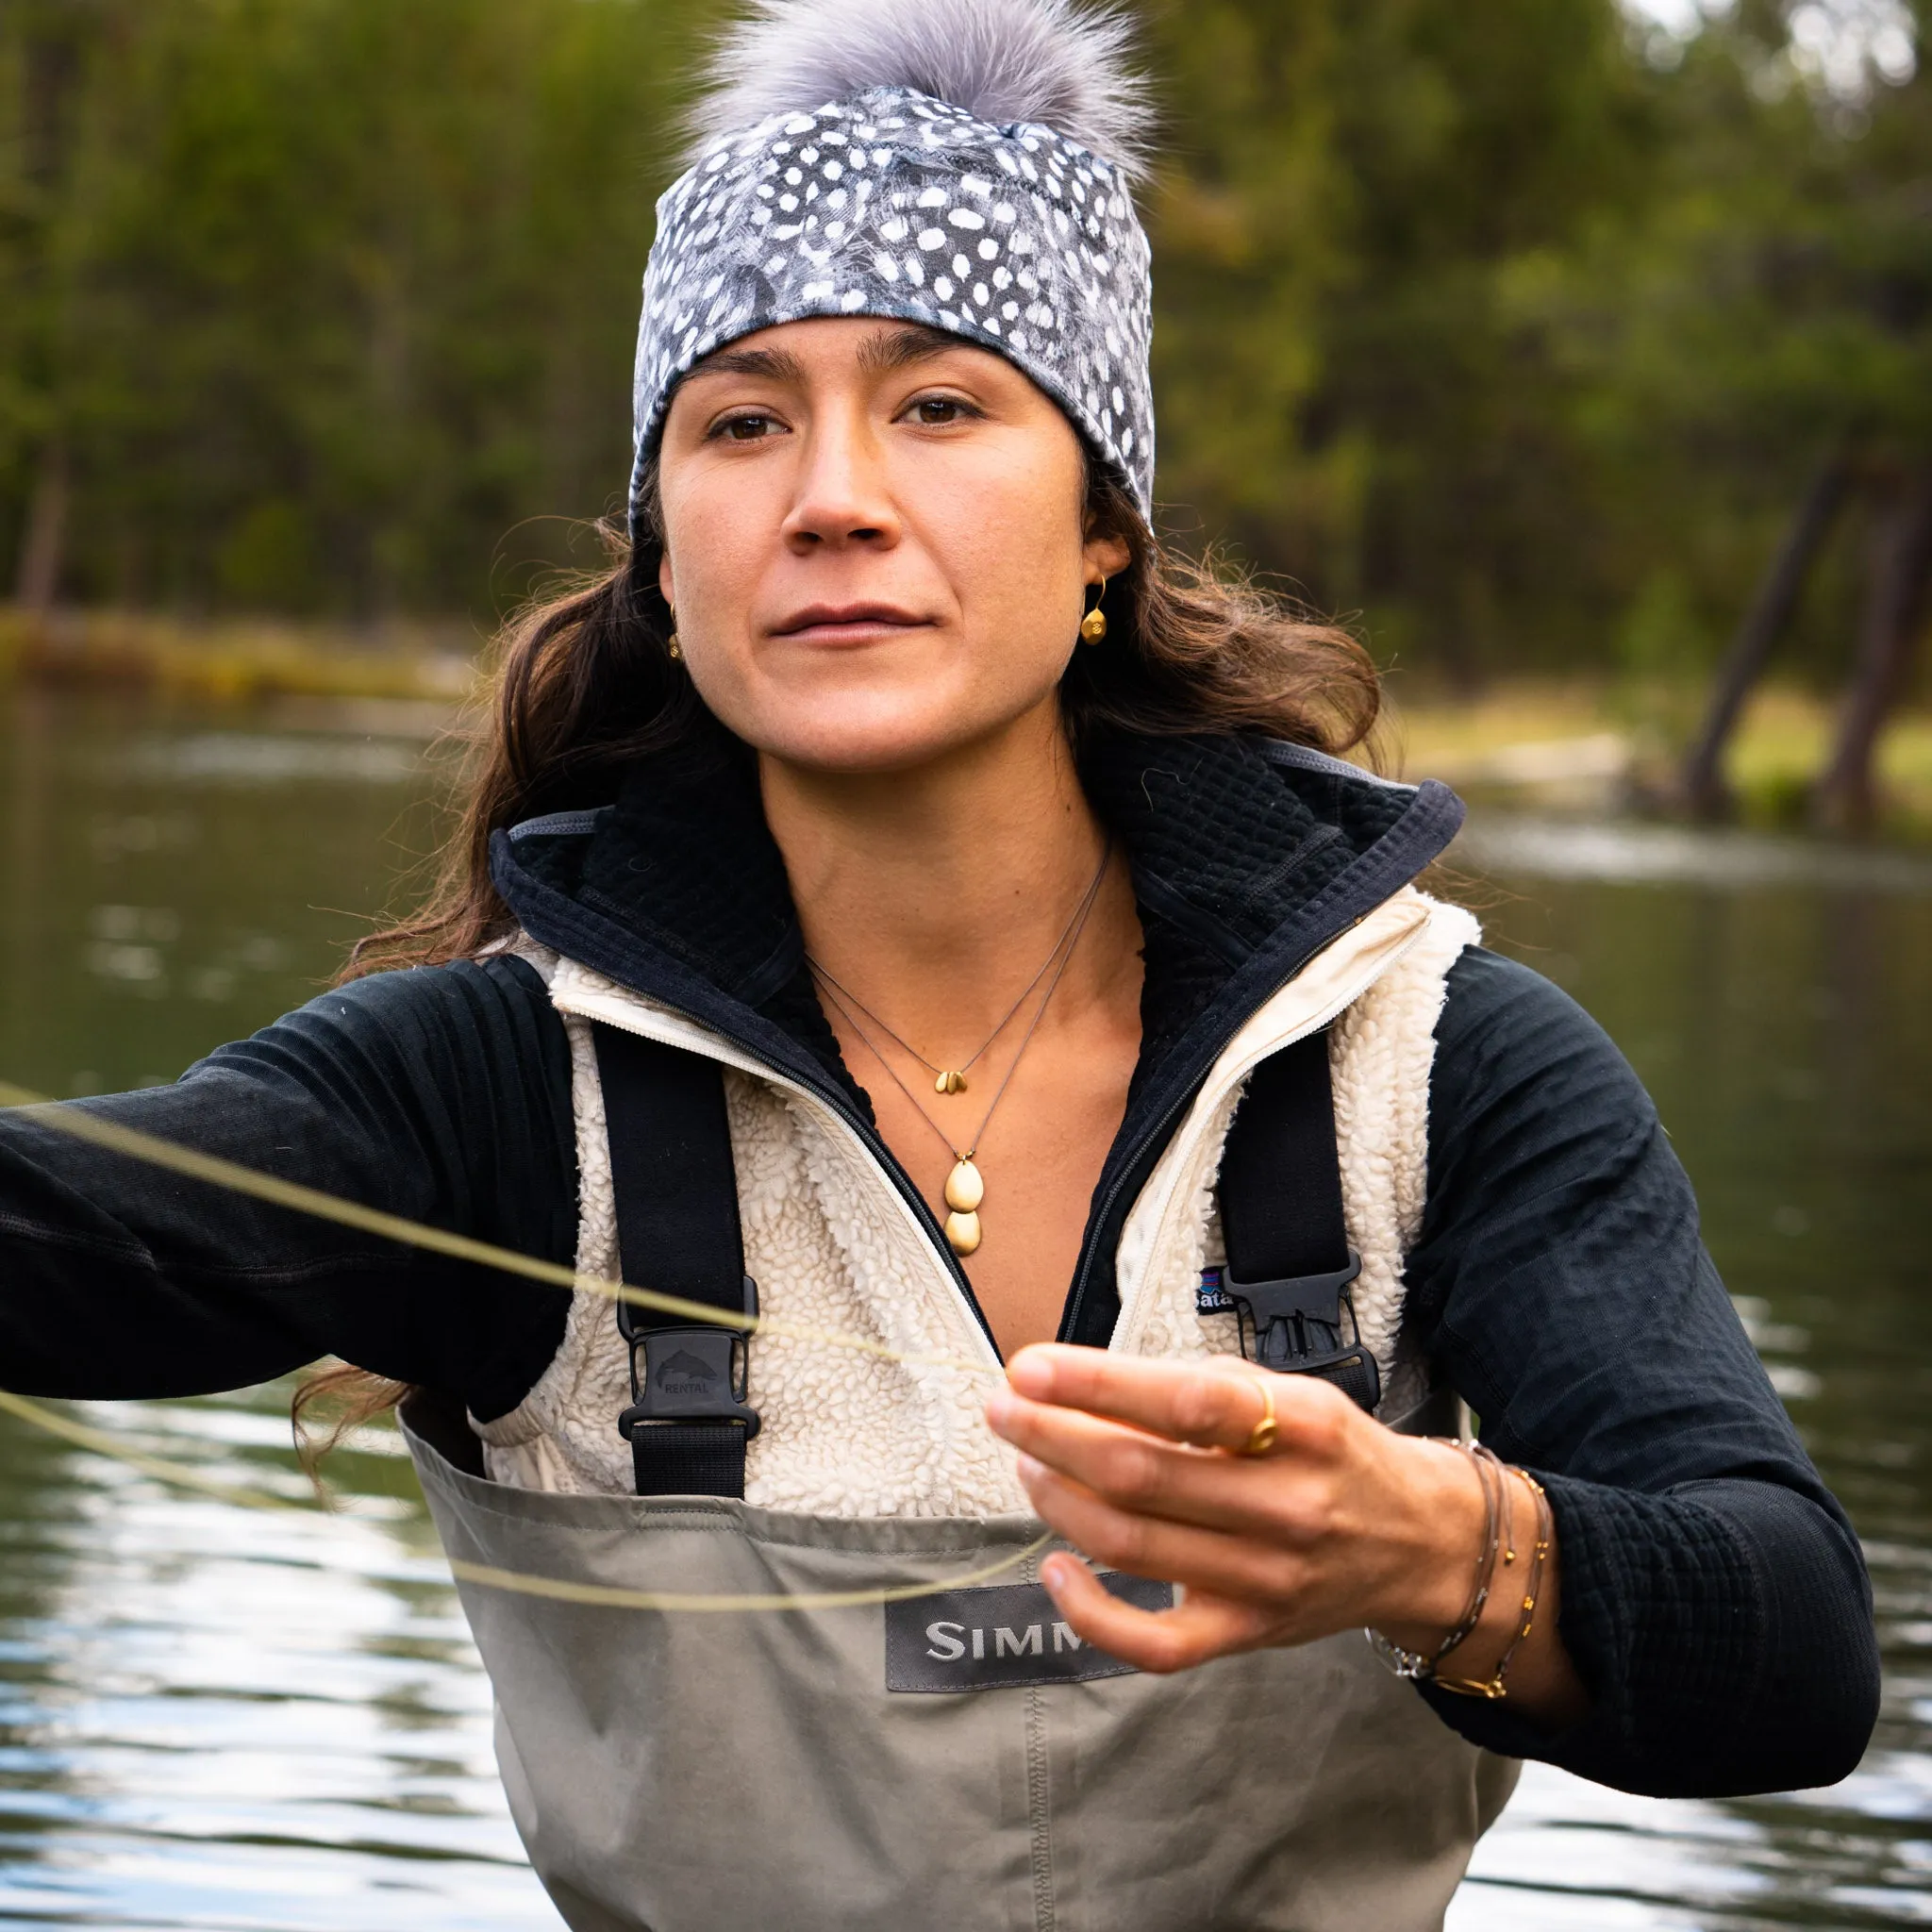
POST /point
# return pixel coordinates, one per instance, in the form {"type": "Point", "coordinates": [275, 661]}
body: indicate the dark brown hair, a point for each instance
{"type": "Point", "coordinates": [585, 684]}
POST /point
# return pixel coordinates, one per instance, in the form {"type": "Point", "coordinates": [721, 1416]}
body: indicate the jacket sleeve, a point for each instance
{"type": "Point", "coordinates": [1714, 1597]}
{"type": "Point", "coordinates": [442, 1094]}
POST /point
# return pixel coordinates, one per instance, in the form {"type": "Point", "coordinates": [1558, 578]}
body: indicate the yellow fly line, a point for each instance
{"type": "Point", "coordinates": [182, 1474]}
{"type": "Point", "coordinates": [196, 1165]}
{"type": "Point", "coordinates": [554, 1589]}
{"type": "Point", "coordinates": [271, 1187]}
{"type": "Point", "coordinates": [607, 1596]}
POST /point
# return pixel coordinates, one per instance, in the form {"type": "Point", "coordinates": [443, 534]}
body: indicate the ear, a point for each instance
{"type": "Point", "coordinates": [664, 580]}
{"type": "Point", "coordinates": [1106, 554]}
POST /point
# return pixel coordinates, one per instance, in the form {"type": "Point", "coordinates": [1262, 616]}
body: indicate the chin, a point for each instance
{"type": "Point", "coordinates": [861, 745]}
{"type": "Point", "coordinates": [874, 733]}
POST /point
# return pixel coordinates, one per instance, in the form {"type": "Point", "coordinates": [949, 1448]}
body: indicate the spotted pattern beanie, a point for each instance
{"type": "Point", "coordinates": [965, 164]}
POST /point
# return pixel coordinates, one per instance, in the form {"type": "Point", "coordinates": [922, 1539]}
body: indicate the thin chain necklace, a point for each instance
{"type": "Point", "coordinates": [953, 1079]}
{"type": "Point", "coordinates": [965, 1185]}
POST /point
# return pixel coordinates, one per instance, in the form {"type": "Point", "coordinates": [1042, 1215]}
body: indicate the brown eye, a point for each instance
{"type": "Point", "coordinates": [935, 410]}
{"type": "Point", "coordinates": [748, 429]}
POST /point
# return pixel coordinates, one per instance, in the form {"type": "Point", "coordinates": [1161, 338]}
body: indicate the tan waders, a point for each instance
{"type": "Point", "coordinates": [721, 1772]}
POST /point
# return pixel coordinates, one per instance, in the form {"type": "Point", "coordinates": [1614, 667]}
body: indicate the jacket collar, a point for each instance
{"type": "Point", "coordinates": [1248, 856]}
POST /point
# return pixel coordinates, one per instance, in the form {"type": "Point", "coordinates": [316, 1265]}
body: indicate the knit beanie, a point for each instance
{"type": "Point", "coordinates": [965, 164]}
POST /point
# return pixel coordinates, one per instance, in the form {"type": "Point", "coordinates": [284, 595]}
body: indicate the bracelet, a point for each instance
{"type": "Point", "coordinates": [1496, 1685]}
{"type": "Point", "coordinates": [1495, 1530]}
{"type": "Point", "coordinates": [1417, 1668]}
{"type": "Point", "coordinates": [1413, 1664]}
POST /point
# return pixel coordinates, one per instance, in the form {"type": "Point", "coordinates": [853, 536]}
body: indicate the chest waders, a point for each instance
{"type": "Point", "coordinates": [958, 1762]}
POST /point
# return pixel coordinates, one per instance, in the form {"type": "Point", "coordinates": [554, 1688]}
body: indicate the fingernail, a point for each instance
{"type": "Point", "coordinates": [999, 1409]}
{"type": "Point", "coordinates": [1030, 1470]}
{"type": "Point", "coordinates": [1056, 1572]}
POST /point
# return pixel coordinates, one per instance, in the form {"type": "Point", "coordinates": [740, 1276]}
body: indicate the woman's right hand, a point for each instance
{"type": "Point", "coordinates": [1342, 1524]}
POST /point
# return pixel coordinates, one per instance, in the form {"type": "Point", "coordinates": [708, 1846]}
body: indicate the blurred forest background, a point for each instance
{"type": "Point", "coordinates": [1520, 329]}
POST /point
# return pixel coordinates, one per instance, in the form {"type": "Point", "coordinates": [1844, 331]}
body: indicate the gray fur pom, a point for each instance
{"type": "Point", "coordinates": [1001, 61]}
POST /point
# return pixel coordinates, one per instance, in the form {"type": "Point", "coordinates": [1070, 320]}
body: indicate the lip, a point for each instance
{"type": "Point", "coordinates": [847, 624]}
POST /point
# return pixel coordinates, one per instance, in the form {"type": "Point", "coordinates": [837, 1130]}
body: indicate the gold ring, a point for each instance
{"type": "Point", "coordinates": [1261, 1436]}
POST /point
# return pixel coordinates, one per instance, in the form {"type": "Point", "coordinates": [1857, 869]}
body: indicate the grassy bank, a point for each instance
{"type": "Point", "coordinates": [236, 660]}
{"type": "Point", "coordinates": [1602, 746]}
{"type": "Point", "coordinates": [1580, 744]}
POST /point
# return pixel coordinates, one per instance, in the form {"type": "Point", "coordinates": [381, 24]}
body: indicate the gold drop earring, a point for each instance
{"type": "Point", "coordinates": [1094, 626]}
{"type": "Point", "coordinates": [675, 649]}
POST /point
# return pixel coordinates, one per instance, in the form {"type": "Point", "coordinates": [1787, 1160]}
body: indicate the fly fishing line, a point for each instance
{"type": "Point", "coordinates": [519, 1582]}
{"type": "Point", "coordinates": [272, 1189]}
{"type": "Point", "coordinates": [66, 1118]}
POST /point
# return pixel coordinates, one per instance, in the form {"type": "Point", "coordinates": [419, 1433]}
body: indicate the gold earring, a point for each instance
{"type": "Point", "coordinates": [1094, 626]}
{"type": "Point", "coordinates": [676, 649]}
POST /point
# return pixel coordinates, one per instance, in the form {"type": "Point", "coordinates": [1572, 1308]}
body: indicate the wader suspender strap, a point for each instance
{"type": "Point", "coordinates": [1288, 1260]}
{"type": "Point", "coordinates": [678, 1232]}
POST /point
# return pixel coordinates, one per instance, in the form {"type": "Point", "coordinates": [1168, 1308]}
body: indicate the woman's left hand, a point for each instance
{"type": "Point", "coordinates": [1342, 1524]}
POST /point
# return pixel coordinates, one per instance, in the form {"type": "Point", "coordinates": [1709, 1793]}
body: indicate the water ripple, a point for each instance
{"type": "Point", "coordinates": [220, 1720]}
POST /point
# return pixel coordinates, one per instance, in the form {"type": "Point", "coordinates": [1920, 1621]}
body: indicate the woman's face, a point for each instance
{"type": "Point", "coordinates": [872, 541]}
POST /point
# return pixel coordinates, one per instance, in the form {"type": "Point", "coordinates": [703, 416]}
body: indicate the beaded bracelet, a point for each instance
{"type": "Point", "coordinates": [1417, 1668]}
{"type": "Point", "coordinates": [1412, 1664]}
{"type": "Point", "coordinates": [1495, 1686]}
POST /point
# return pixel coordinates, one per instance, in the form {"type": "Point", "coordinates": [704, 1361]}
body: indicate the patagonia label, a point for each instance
{"type": "Point", "coordinates": [1210, 1298]}
{"type": "Point", "coordinates": [1001, 1634]}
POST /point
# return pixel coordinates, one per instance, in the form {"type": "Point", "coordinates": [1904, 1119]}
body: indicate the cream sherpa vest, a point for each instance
{"type": "Point", "coordinates": [835, 1249]}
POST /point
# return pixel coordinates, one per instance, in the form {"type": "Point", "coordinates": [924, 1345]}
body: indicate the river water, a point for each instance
{"type": "Point", "coordinates": [211, 1718]}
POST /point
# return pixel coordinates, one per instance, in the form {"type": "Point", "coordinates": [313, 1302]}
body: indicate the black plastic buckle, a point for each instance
{"type": "Point", "coordinates": [695, 1374]}
{"type": "Point", "coordinates": [1294, 1328]}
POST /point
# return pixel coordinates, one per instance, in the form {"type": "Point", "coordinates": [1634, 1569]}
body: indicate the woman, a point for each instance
{"type": "Point", "coordinates": [886, 884]}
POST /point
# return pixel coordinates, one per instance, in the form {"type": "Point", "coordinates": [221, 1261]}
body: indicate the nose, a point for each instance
{"type": "Point", "coordinates": [842, 501]}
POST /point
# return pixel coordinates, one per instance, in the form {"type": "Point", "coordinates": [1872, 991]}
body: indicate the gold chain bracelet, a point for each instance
{"type": "Point", "coordinates": [1498, 1536]}
{"type": "Point", "coordinates": [1495, 1686]}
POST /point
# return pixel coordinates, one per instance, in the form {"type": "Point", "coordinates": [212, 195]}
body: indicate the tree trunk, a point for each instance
{"type": "Point", "coordinates": [43, 546]}
{"type": "Point", "coordinates": [49, 69]}
{"type": "Point", "coordinates": [1702, 785]}
{"type": "Point", "coordinates": [50, 65]}
{"type": "Point", "coordinates": [1845, 799]}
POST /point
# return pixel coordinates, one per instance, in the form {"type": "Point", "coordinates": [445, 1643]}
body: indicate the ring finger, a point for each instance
{"type": "Point", "coordinates": [1133, 1470]}
{"type": "Point", "coordinates": [1215, 1404]}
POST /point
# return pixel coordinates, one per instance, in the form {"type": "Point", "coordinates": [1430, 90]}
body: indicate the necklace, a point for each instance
{"type": "Point", "coordinates": [953, 1079]}
{"type": "Point", "coordinates": [965, 1185]}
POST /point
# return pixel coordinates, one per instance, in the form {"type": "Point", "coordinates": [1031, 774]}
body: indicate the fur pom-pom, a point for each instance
{"type": "Point", "coordinates": [1001, 61]}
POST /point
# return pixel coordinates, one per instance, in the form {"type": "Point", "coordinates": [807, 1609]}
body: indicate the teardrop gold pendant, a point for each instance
{"type": "Point", "coordinates": [950, 1083]}
{"type": "Point", "coordinates": [965, 1190]}
{"type": "Point", "coordinates": [1094, 623]}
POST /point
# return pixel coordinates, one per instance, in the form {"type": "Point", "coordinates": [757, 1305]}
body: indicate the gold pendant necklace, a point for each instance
{"type": "Point", "coordinates": [953, 1079]}
{"type": "Point", "coordinates": [965, 1188]}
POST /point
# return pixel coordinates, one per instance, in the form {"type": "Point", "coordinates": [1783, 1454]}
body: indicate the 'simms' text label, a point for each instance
{"type": "Point", "coordinates": [1004, 1634]}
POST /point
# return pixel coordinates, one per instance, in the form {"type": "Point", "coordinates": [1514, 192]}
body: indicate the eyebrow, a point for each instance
{"type": "Point", "coordinates": [887, 349]}
{"type": "Point", "coordinates": [882, 351]}
{"type": "Point", "coordinates": [777, 365]}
